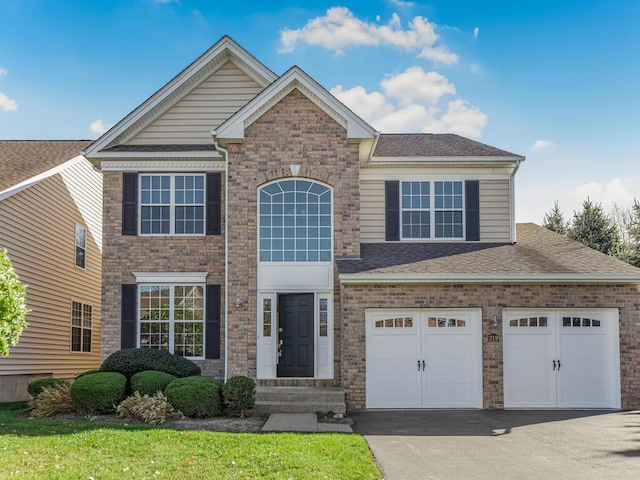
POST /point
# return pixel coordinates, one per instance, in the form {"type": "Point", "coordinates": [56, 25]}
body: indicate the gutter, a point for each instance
{"type": "Point", "coordinates": [405, 278]}
{"type": "Point", "coordinates": [226, 251]}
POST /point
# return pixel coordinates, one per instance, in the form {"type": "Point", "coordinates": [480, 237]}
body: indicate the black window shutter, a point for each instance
{"type": "Point", "coordinates": [472, 209]}
{"type": "Point", "coordinates": [128, 317]}
{"type": "Point", "coordinates": [213, 203]}
{"type": "Point", "coordinates": [130, 204]}
{"type": "Point", "coordinates": [212, 327]}
{"type": "Point", "coordinates": [392, 210]}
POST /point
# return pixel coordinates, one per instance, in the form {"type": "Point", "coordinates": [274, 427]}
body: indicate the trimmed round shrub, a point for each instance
{"type": "Point", "coordinates": [98, 392]}
{"type": "Point", "coordinates": [239, 394]}
{"type": "Point", "coordinates": [130, 361]}
{"type": "Point", "coordinates": [150, 382]}
{"type": "Point", "coordinates": [88, 372]}
{"type": "Point", "coordinates": [35, 387]}
{"type": "Point", "coordinates": [196, 396]}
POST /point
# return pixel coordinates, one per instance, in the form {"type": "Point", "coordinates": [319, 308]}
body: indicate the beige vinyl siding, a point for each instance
{"type": "Point", "coordinates": [372, 211]}
{"type": "Point", "coordinates": [37, 226]}
{"type": "Point", "coordinates": [494, 211]}
{"type": "Point", "coordinates": [191, 119]}
{"type": "Point", "coordinates": [495, 217]}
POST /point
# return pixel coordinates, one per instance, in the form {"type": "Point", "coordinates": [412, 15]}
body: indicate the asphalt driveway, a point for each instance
{"type": "Point", "coordinates": [498, 444]}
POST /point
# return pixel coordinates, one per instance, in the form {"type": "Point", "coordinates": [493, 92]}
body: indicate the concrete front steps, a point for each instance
{"type": "Point", "coordinates": [299, 400]}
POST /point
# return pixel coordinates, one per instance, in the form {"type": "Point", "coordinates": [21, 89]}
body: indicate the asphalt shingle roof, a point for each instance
{"type": "Point", "coordinates": [23, 159]}
{"type": "Point", "coordinates": [433, 145]}
{"type": "Point", "coordinates": [538, 251]}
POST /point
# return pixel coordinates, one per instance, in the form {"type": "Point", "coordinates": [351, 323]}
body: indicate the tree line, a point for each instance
{"type": "Point", "coordinates": [616, 234]}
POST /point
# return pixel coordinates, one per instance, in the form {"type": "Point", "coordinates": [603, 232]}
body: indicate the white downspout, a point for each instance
{"type": "Point", "coordinates": [226, 250]}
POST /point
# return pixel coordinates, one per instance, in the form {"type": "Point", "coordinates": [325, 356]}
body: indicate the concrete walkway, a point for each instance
{"type": "Point", "coordinates": [301, 422]}
{"type": "Point", "coordinates": [499, 444]}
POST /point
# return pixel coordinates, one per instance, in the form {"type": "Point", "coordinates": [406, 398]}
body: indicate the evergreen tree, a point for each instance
{"type": "Point", "coordinates": [634, 234]}
{"type": "Point", "coordinates": [554, 220]}
{"type": "Point", "coordinates": [594, 228]}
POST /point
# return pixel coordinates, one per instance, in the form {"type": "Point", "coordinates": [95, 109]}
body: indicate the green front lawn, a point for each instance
{"type": "Point", "coordinates": [31, 448]}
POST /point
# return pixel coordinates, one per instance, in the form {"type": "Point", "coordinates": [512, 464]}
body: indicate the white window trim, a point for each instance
{"type": "Point", "coordinates": [75, 246]}
{"type": "Point", "coordinates": [293, 263]}
{"type": "Point", "coordinates": [432, 211]}
{"type": "Point", "coordinates": [171, 320]}
{"type": "Point", "coordinates": [172, 204]}
{"type": "Point", "coordinates": [182, 278]}
{"type": "Point", "coordinates": [82, 328]}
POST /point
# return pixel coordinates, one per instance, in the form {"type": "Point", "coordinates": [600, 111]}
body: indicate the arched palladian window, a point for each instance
{"type": "Point", "coordinates": [295, 222]}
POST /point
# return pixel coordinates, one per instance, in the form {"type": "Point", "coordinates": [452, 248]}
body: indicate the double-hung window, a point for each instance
{"type": "Point", "coordinates": [81, 324]}
{"type": "Point", "coordinates": [172, 204]}
{"type": "Point", "coordinates": [432, 210]}
{"type": "Point", "coordinates": [172, 318]}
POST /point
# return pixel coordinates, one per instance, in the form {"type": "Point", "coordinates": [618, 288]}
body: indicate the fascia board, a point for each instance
{"type": "Point", "coordinates": [363, 278]}
{"type": "Point", "coordinates": [177, 155]}
{"type": "Point", "coordinates": [234, 127]}
{"type": "Point", "coordinates": [226, 43]}
{"type": "Point", "coordinates": [457, 159]}
{"type": "Point", "coordinates": [38, 178]}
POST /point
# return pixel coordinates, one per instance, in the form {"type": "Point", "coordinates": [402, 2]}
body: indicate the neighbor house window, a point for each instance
{"type": "Point", "coordinates": [172, 204]}
{"type": "Point", "coordinates": [172, 318]}
{"type": "Point", "coordinates": [295, 222]}
{"type": "Point", "coordinates": [432, 210]}
{"type": "Point", "coordinates": [81, 321]}
{"type": "Point", "coordinates": [81, 246]}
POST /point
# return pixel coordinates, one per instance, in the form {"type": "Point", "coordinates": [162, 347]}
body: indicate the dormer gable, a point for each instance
{"type": "Point", "coordinates": [233, 130]}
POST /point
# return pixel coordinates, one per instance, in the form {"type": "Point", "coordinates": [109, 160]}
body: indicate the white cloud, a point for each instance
{"type": "Point", "coordinates": [615, 190]}
{"type": "Point", "coordinates": [476, 31]}
{"type": "Point", "coordinates": [377, 18]}
{"type": "Point", "coordinates": [542, 144]}
{"type": "Point", "coordinates": [3, 72]}
{"type": "Point", "coordinates": [409, 101]}
{"type": "Point", "coordinates": [439, 55]}
{"type": "Point", "coordinates": [7, 104]}
{"type": "Point", "coordinates": [475, 68]}
{"type": "Point", "coordinates": [166, 1]}
{"type": "Point", "coordinates": [401, 4]}
{"type": "Point", "coordinates": [99, 127]}
{"type": "Point", "coordinates": [340, 29]}
{"type": "Point", "coordinates": [415, 85]}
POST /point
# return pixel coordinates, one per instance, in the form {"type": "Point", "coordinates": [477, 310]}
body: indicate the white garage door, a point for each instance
{"type": "Point", "coordinates": [424, 358]}
{"type": "Point", "coordinates": [561, 358]}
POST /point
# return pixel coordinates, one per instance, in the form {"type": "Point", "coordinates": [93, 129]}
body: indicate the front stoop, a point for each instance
{"type": "Point", "coordinates": [299, 400]}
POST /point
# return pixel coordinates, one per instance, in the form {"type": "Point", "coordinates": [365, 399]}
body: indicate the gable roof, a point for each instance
{"type": "Point", "coordinates": [434, 145]}
{"type": "Point", "coordinates": [539, 256]}
{"type": "Point", "coordinates": [20, 160]}
{"type": "Point", "coordinates": [233, 129]}
{"type": "Point", "coordinates": [226, 48]}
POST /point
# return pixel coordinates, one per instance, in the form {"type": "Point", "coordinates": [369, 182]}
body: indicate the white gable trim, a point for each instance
{"type": "Point", "coordinates": [160, 165]}
{"type": "Point", "coordinates": [218, 54]}
{"type": "Point", "coordinates": [233, 129]}
{"type": "Point", "coordinates": [40, 177]}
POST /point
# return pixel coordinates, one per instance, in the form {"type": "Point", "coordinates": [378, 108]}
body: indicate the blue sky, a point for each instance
{"type": "Point", "coordinates": [556, 81]}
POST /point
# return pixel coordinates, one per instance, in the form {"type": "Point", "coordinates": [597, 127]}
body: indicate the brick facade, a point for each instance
{"type": "Point", "coordinates": [293, 132]}
{"type": "Point", "coordinates": [355, 299]}
{"type": "Point", "coordinates": [125, 254]}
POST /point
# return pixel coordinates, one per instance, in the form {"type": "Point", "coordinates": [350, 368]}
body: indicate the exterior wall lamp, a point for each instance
{"type": "Point", "coordinates": [494, 322]}
{"type": "Point", "coordinates": [237, 302]}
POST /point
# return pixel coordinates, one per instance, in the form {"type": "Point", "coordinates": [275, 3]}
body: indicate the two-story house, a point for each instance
{"type": "Point", "coordinates": [51, 226]}
{"type": "Point", "coordinates": [257, 226]}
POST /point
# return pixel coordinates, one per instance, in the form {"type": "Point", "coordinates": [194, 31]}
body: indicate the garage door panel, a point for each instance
{"type": "Point", "coordinates": [581, 368]}
{"type": "Point", "coordinates": [450, 350]}
{"type": "Point", "coordinates": [522, 345]}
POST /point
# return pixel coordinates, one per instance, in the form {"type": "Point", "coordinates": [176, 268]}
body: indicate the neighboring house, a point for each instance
{"type": "Point", "coordinates": [51, 226]}
{"type": "Point", "coordinates": [298, 246]}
